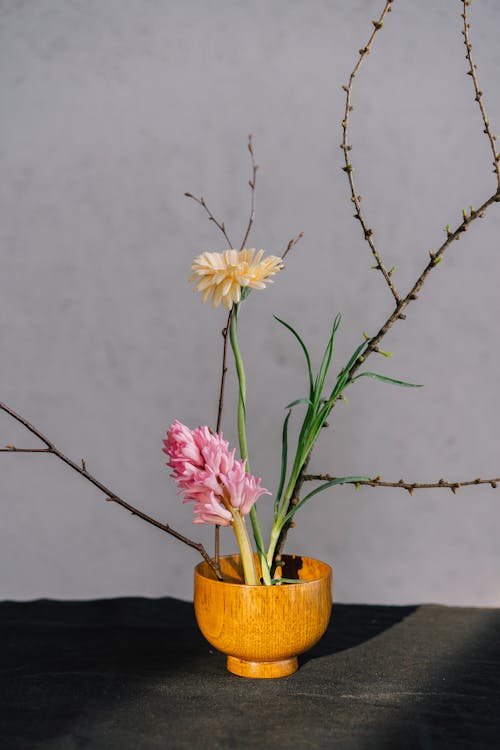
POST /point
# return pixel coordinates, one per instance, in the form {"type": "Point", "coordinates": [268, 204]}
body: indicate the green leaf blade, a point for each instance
{"type": "Point", "coordinates": [325, 363]}
{"type": "Point", "coordinates": [304, 349]}
{"type": "Point", "coordinates": [385, 379]}
{"type": "Point", "coordinates": [284, 460]}
{"type": "Point", "coordinates": [297, 402]}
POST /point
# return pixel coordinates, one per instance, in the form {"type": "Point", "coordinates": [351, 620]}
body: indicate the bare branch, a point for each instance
{"type": "Point", "coordinates": [225, 331]}
{"type": "Point", "coordinates": [348, 168]}
{"type": "Point", "coordinates": [479, 93]}
{"type": "Point", "coordinates": [251, 182]}
{"type": "Point", "coordinates": [401, 304]}
{"type": "Point", "coordinates": [409, 486]}
{"type": "Point", "coordinates": [219, 224]}
{"type": "Point", "coordinates": [110, 496]}
{"type": "Point", "coordinates": [291, 243]}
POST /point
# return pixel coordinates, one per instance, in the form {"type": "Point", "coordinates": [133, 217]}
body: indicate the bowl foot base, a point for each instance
{"type": "Point", "coordinates": [262, 669]}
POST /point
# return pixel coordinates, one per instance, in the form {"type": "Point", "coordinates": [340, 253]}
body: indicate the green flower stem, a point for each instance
{"type": "Point", "coordinates": [280, 518]}
{"type": "Point", "coordinates": [291, 484]}
{"type": "Point", "coordinates": [242, 437]}
{"type": "Point", "coordinates": [247, 559]}
{"type": "Point", "coordinates": [275, 533]}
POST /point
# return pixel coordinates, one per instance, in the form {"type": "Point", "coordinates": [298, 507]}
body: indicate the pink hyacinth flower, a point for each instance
{"type": "Point", "coordinates": [207, 473]}
{"type": "Point", "coordinates": [210, 510]}
{"type": "Point", "coordinates": [181, 447]}
{"type": "Point", "coordinates": [243, 489]}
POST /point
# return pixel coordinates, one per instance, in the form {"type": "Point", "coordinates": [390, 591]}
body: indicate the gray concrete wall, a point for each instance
{"type": "Point", "coordinates": [111, 109]}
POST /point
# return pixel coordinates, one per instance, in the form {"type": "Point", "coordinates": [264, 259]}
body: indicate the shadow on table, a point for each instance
{"type": "Point", "coordinates": [353, 624]}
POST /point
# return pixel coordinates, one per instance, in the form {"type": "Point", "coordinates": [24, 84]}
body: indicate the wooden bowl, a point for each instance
{"type": "Point", "coordinates": [262, 629]}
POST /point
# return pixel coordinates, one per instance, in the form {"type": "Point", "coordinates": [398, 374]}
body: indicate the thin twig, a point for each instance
{"type": "Point", "coordinates": [346, 147]}
{"type": "Point", "coordinates": [291, 243]}
{"type": "Point", "coordinates": [479, 93]}
{"type": "Point", "coordinates": [217, 549]}
{"type": "Point", "coordinates": [13, 449]}
{"type": "Point", "coordinates": [251, 182]}
{"type": "Point", "coordinates": [409, 486]}
{"type": "Point", "coordinates": [225, 334]}
{"type": "Point", "coordinates": [219, 224]}
{"type": "Point", "coordinates": [110, 496]}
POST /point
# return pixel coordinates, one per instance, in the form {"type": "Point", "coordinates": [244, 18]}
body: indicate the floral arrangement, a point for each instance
{"type": "Point", "coordinates": [206, 470]}
{"type": "Point", "coordinates": [203, 466]}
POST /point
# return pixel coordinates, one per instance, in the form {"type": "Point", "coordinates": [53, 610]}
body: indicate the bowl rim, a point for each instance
{"type": "Point", "coordinates": [203, 563]}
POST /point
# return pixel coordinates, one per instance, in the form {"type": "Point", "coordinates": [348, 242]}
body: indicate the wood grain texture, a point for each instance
{"type": "Point", "coordinates": [262, 629]}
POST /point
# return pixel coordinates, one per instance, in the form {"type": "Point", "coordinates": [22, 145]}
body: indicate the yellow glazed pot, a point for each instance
{"type": "Point", "coordinates": [262, 629]}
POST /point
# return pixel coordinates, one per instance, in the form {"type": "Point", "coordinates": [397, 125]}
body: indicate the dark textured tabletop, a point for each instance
{"type": "Point", "coordinates": [136, 673]}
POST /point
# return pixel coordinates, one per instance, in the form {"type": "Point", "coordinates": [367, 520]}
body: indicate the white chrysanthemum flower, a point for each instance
{"type": "Point", "coordinates": [222, 276]}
